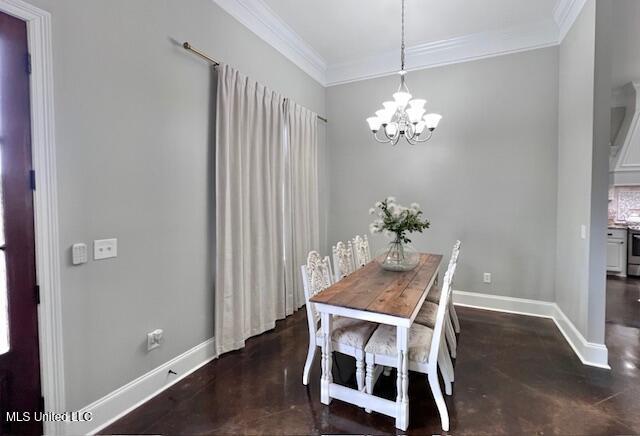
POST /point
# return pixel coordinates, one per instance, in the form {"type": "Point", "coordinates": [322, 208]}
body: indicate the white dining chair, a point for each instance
{"type": "Point", "coordinates": [348, 336]}
{"type": "Point", "coordinates": [434, 297]}
{"type": "Point", "coordinates": [343, 263]}
{"type": "Point", "coordinates": [427, 317]}
{"type": "Point", "coordinates": [361, 251]}
{"type": "Point", "coordinates": [425, 353]}
{"type": "Point", "coordinates": [427, 314]}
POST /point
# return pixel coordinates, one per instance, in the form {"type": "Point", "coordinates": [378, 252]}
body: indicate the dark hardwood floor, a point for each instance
{"type": "Point", "coordinates": [623, 307]}
{"type": "Point", "coordinates": [514, 375]}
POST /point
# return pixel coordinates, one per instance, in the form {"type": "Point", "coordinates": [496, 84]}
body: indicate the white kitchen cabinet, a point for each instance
{"type": "Point", "coordinates": [617, 252]}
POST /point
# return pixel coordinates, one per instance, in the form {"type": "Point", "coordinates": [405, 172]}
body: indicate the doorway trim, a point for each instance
{"type": "Point", "coordinates": [43, 151]}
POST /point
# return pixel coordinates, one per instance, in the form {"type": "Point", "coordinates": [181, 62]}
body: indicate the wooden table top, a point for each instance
{"type": "Point", "coordinates": [374, 289]}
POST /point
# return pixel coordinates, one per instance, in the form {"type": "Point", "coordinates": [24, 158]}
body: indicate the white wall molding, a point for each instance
{"type": "Point", "coordinates": [261, 20]}
{"type": "Point", "coordinates": [446, 52]}
{"type": "Point", "coordinates": [589, 353]}
{"type": "Point", "coordinates": [264, 22]}
{"type": "Point", "coordinates": [123, 400]}
{"type": "Point", "coordinates": [497, 303]}
{"type": "Point", "coordinates": [565, 14]}
{"type": "Point", "coordinates": [43, 151]}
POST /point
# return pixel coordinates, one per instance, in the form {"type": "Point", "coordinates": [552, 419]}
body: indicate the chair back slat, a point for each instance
{"type": "Point", "coordinates": [453, 261]}
{"type": "Point", "coordinates": [361, 251]}
{"type": "Point", "coordinates": [316, 277]}
{"type": "Point", "coordinates": [343, 263]}
{"type": "Point", "coordinates": [438, 330]}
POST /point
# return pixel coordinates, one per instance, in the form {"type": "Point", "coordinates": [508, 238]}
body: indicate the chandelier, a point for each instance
{"type": "Point", "coordinates": [404, 116]}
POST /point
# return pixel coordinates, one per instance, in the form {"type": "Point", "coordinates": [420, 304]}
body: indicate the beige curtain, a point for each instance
{"type": "Point", "coordinates": [302, 224]}
{"type": "Point", "coordinates": [250, 172]}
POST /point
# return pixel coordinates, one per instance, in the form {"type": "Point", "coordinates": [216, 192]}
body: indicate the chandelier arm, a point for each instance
{"type": "Point", "coordinates": [394, 138]}
{"type": "Point", "coordinates": [384, 130]}
{"type": "Point", "coordinates": [381, 141]}
{"type": "Point", "coordinates": [411, 131]}
{"type": "Point", "coordinates": [427, 138]}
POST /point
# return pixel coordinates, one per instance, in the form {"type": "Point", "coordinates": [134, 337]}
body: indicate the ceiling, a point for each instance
{"type": "Point", "coordinates": [339, 41]}
{"type": "Point", "coordinates": [341, 30]}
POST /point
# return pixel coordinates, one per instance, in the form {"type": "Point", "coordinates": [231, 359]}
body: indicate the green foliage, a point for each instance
{"type": "Point", "coordinates": [397, 219]}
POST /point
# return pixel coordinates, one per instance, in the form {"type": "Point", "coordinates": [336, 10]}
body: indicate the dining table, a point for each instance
{"type": "Point", "coordinates": [374, 294]}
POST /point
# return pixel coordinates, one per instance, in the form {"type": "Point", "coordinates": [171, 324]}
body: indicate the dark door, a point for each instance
{"type": "Point", "coordinates": [19, 353]}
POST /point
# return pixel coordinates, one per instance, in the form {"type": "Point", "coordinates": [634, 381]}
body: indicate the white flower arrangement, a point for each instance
{"type": "Point", "coordinates": [394, 220]}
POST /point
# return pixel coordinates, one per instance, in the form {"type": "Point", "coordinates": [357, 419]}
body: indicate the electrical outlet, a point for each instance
{"type": "Point", "coordinates": [486, 278]}
{"type": "Point", "coordinates": [153, 339]}
{"type": "Point", "coordinates": [105, 248]}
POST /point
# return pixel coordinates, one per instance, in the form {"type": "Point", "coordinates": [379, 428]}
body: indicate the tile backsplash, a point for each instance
{"type": "Point", "coordinates": [622, 200]}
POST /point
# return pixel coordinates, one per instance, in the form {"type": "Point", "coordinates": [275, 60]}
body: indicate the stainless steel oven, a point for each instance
{"type": "Point", "coordinates": [633, 253]}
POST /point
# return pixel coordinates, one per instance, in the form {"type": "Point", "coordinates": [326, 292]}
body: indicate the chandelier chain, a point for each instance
{"type": "Point", "coordinates": [402, 44]}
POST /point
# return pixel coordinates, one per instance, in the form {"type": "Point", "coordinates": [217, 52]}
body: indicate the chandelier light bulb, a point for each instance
{"type": "Point", "coordinates": [391, 129]}
{"type": "Point", "coordinates": [420, 127]}
{"type": "Point", "coordinates": [402, 98]}
{"type": "Point", "coordinates": [432, 121]}
{"type": "Point", "coordinates": [390, 106]}
{"type": "Point", "coordinates": [384, 116]}
{"type": "Point", "coordinates": [417, 103]}
{"type": "Point", "coordinates": [415, 114]}
{"type": "Point", "coordinates": [374, 123]}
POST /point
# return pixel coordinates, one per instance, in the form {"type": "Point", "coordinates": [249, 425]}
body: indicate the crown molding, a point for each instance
{"type": "Point", "coordinates": [261, 20]}
{"type": "Point", "coordinates": [565, 14]}
{"type": "Point", "coordinates": [258, 17]}
{"type": "Point", "coordinates": [465, 48]}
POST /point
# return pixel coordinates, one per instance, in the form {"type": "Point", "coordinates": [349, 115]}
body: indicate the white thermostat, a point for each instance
{"type": "Point", "coordinates": [79, 254]}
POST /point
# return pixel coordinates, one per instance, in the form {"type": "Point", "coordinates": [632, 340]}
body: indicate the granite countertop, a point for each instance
{"type": "Point", "coordinates": [618, 226]}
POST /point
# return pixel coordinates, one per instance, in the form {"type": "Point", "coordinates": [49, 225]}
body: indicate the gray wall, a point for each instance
{"type": "Point", "coordinates": [488, 177]}
{"type": "Point", "coordinates": [584, 114]}
{"type": "Point", "coordinates": [617, 118]}
{"type": "Point", "coordinates": [574, 165]}
{"type": "Point", "coordinates": [132, 128]}
{"type": "Point", "coordinates": [625, 34]}
{"type": "Point", "coordinates": [596, 307]}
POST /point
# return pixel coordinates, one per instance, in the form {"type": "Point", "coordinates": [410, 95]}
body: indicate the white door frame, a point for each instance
{"type": "Point", "coordinates": [45, 205]}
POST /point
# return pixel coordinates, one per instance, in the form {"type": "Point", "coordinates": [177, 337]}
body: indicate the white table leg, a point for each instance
{"type": "Point", "coordinates": [402, 383]}
{"type": "Point", "coordinates": [327, 356]}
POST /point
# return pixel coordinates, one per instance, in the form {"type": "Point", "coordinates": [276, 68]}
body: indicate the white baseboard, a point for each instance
{"type": "Point", "coordinates": [589, 353]}
{"type": "Point", "coordinates": [123, 400]}
{"type": "Point", "coordinates": [519, 306]}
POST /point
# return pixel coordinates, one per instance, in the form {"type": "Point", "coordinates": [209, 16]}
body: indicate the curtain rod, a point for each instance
{"type": "Point", "coordinates": [187, 46]}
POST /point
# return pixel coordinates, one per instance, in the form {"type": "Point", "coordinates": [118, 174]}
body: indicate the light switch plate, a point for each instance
{"type": "Point", "coordinates": [79, 253]}
{"type": "Point", "coordinates": [486, 277]}
{"type": "Point", "coordinates": [105, 248]}
{"type": "Point", "coordinates": [154, 338]}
